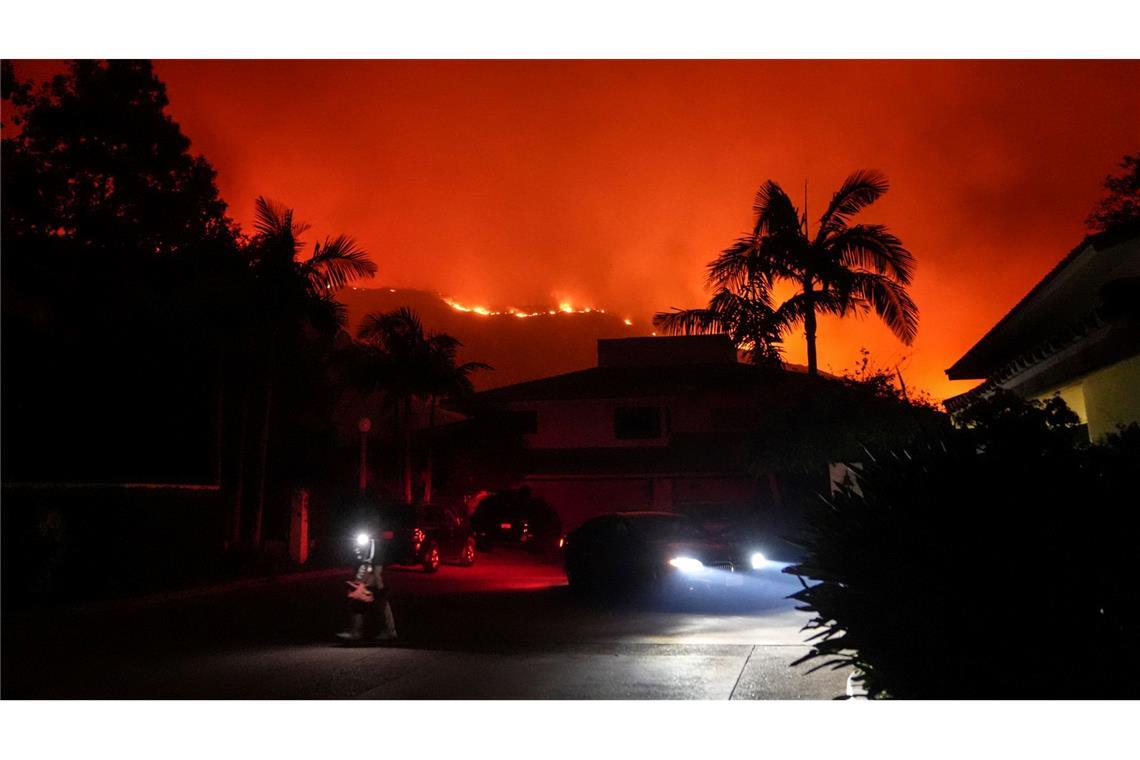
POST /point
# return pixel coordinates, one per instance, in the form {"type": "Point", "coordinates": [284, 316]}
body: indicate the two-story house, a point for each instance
{"type": "Point", "coordinates": [661, 423]}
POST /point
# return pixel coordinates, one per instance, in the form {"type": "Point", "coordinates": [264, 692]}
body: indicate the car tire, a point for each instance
{"type": "Point", "coordinates": [579, 580]}
{"type": "Point", "coordinates": [431, 558]}
{"type": "Point", "coordinates": [467, 555]}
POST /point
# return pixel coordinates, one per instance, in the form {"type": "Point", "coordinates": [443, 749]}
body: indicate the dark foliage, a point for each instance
{"type": "Point", "coordinates": [839, 419]}
{"type": "Point", "coordinates": [95, 159]}
{"type": "Point", "coordinates": [121, 280]}
{"type": "Point", "coordinates": [995, 561]}
{"type": "Point", "coordinates": [1120, 207]}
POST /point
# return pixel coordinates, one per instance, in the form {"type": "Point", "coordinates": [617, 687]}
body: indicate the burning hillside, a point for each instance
{"type": "Point", "coordinates": [521, 343]}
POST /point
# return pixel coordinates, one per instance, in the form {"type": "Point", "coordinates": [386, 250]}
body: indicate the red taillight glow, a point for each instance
{"type": "Point", "coordinates": [505, 526]}
{"type": "Point", "coordinates": [418, 535]}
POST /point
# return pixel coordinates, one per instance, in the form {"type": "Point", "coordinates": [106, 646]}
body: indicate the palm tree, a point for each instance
{"type": "Point", "coordinates": [446, 379]}
{"type": "Point", "coordinates": [392, 357]}
{"type": "Point", "coordinates": [295, 302]}
{"type": "Point", "coordinates": [746, 317]}
{"type": "Point", "coordinates": [398, 356]}
{"type": "Point", "coordinates": [844, 268]}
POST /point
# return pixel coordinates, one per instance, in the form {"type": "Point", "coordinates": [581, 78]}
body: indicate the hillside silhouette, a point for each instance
{"type": "Point", "coordinates": [518, 349]}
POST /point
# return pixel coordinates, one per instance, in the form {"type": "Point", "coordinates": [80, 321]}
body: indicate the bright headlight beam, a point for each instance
{"type": "Point", "coordinates": [686, 564]}
{"type": "Point", "coordinates": [758, 560]}
{"type": "Point", "coordinates": [362, 539]}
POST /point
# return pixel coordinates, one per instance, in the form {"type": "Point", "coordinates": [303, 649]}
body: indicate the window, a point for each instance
{"type": "Point", "coordinates": [631, 423]}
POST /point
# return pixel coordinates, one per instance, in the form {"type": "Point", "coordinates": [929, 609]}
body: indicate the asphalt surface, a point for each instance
{"type": "Point", "coordinates": [508, 628]}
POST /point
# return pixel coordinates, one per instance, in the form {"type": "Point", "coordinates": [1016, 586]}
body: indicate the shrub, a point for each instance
{"type": "Point", "coordinates": [996, 561]}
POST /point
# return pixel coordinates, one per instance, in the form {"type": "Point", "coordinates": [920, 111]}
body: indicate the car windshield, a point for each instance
{"type": "Point", "coordinates": [668, 527]}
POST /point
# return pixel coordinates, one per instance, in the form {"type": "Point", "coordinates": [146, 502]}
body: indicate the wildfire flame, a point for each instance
{"type": "Point", "coordinates": [564, 307]}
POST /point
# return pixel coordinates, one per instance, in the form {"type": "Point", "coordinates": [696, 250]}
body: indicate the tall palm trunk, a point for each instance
{"type": "Point", "coordinates": [220, 420]}
{"type": "Point", "coordinates": [239, 477]}
{"type": "Point", "coordinates": [408, 450]}
{"type": "Point", "coordinates": [431, 435]}
{"type": "Point", "coordinates": [263, 461]}
{"type": "Point", "coordinates": [809, 329]}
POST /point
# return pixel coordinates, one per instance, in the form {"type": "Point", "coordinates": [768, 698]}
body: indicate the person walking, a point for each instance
{"type": "Point", "coordinates": [368, 599]}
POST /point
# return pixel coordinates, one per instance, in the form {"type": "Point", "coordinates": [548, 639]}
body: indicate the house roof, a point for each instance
{"type": "Point", "coordinates": [642, 382]}
{"type": "Point", "coordinates": [1066, 295]}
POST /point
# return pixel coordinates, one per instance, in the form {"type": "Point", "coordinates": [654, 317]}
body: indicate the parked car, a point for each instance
{"type": "Point", "coordinates": [425, 535]}
{"type": "Point", "coordinates": [659, 552]}
{"type": "Point", "coordinates": [515, 518]}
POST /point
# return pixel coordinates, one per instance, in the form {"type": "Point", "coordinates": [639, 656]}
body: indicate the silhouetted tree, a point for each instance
{"type": "Point", "coordinates": [94, 158]}
{"type": "Point", "coordinates": [1120, 206]}
{"type": "Point", "coordinates": [393, 358]}
{"type": "Point", "coordinates": [446, 379]}
{"type": "Point", "coordinates": [295, 306]}
{"type": "Point", "coordinates": [121, 276]}
{"type": "Point", "coordinates": [841, 269]}
{"type": "Point", "coordinates": [397, 356]}
{"type": "Point", "coordinates": [744, 314]}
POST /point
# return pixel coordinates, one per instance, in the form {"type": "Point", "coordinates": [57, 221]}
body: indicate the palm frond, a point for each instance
{"type": "Point", "coordinates": [890, 301]}
{"type": "Point", "coordinates": [690, 322]}
{"type": "Point", "coordinates": [774, 211]}
{"type": "Point", "coordinates": [275, 221]}
{"type": "Point", "coordinates": [873, 247]}
{"type": "Point", "coordinates": [793, 311]}
{"type": "Point", "coordinates": [731, 268]}
{"type": "Point", "coordinates": [859, 190]}
{"type": "Point", "coordinates": [338, 262]}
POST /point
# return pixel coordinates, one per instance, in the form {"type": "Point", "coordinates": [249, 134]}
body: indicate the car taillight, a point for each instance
{"type": "Point", "coordinates": [505, 526]}
{"type": "Point", "coordinates": [387, 535]}
{"type": "Point", "coordinates": [418, 536]}
{"type": "Point", "coordinates": [562, 542]}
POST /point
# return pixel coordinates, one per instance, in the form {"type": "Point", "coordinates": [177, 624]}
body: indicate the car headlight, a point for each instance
{"type": "Point", "coordinates": [686, 564]}
{"type": "Point", "coordinates": [362, 539]}
{"type": "Point", "coordinates": [758, 560]}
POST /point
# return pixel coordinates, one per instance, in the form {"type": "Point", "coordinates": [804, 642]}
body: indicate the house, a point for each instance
{"type": "Point", "coordinates": [1075, 335]}
{"type": "Point", "coordinates": [660, 423]}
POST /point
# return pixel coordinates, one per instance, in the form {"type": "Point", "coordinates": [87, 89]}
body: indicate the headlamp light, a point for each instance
{"type": "Point", "coordinates": [686, 564]}
{"type": "Point", "coordinates": [362, 539]}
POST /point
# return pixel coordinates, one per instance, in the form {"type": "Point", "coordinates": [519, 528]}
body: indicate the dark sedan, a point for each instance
{"type": "Point", "coordinates": [516, 519]}
{"type": "Point", "coordinates": [653, 551]}
{"type": "Point", "coordinates": [424, 535]}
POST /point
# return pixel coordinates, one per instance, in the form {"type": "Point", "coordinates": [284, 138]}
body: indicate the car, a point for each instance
{"type": "Point", "coordinates": [425, 535]}
{"type": "Point", "coordinates": [659, 552]}
{"type": "Point", "coordinates": [515, 518]}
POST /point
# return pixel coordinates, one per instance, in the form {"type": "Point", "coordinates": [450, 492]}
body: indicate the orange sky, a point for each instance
{"type": "Point", "coordinates": [611, 183]}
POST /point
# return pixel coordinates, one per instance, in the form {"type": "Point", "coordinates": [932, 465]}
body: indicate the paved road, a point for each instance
{"type": "Point", "coordinates": [507, 628]}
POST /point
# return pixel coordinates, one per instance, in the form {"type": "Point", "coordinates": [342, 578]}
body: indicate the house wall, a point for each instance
{"type": "Point", "coordinates": [1074, 397]}
{"type": "Point", "coordinates": [1112, 397]}
{"type": "Point", "coordinates": [1105, 398]}
{"type": "Point", "coordinates": [589, 423]}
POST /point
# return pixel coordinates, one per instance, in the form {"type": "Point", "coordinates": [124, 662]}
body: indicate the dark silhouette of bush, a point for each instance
{"type": "Point", "coordinates": [996, 561]}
